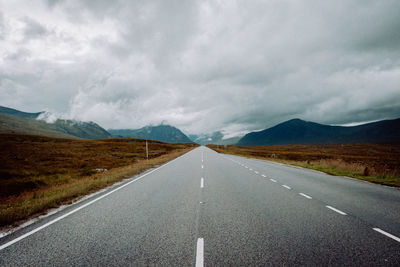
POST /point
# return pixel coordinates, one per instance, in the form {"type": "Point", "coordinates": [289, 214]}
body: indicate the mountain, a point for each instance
{"type": "Point", "coordinates": [163, 133]}
{"type": "Point", "coordinates": [216, 138]}
{"type": "Point", "coordinates": [13, 124]}
{"type": "Point", "coordinates": [205, 139]}
{"type": "Point", "coordinates": [85, 130]}
{"type": "Point", "coordinates": [15, 121]}
{"type": "Point", "coordinates": [20, 114]}
{"type": "Point", "coordinates": [297, 131]}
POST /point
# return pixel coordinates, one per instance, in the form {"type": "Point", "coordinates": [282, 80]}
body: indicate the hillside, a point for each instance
{"type": "Point", "coordinates": [15, 121]}
{"type": "Point", "coordinates": [85, 130]}
{"type": "Point", "coordinates": [20, 114]}
{"type": "Point", "coordinates": [14, 125]}
{"type": "Point", "coordinates": [297, 131]}
{"type": "Point", "coordinates": [163, 133]}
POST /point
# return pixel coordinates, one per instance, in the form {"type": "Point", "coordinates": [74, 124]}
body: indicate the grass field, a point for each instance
{"type": "Point", "coordinates": [378, 163]}
{"type": "Point", "coordinates": [38, 173]}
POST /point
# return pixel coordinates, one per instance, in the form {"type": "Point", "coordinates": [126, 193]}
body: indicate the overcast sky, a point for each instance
{"type": "Point", "coordinates": [202, 66]}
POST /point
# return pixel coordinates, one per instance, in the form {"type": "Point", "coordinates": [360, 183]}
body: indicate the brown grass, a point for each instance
{"type": "Point", "coordinates": [378, 163]}
{"type": "Point", "coordinates": [38, 173]}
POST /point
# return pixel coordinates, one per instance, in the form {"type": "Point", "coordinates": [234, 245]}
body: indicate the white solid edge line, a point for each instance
{"type": "Point", "coordinates": [79, 208]}
{"type": "Point", "coordinates": [304, 195]}
{"type": "Point", "coordinates": [200, 253]}
{"type": "Point", "coordinates": [287, 187]}
{"type": "Point", "coordinates": [338, 211]}
{"type": "Point", "coordinates": [273, 180]}
{"type": "Point", "coordinates": [387, 234]}
{"type": "Point", "coordinates": [201, 182]}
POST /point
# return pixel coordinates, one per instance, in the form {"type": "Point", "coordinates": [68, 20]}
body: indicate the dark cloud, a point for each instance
{"type": "Point", "coordinates": [20, 55]}
{"type": "Point", "coordinates": [53, 3]}
{"type": "Point", "coordinates": [369, 114]}
{"type": "Point", "coordinates": [203, 66]}
{"type": "Point", "coordinates": [2, 26]}
{"type": "Point", "coordinates": [33, 29]}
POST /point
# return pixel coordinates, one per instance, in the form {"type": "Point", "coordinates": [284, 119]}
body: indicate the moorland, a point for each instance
{"type": "Point", "coordinates": [377, 163]}
{"type": "Point", "coordinates": [38, 172]}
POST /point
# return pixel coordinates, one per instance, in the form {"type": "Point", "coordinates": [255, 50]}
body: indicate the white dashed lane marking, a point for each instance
{"type": "Point", "coordinates": [304, 195]}
{"type": "Point", "coordinates": [336, 210]}
{"type": "Point", "coordinates": [387, 234]}
{"type": "Point", "coordinates": [200, 242]}
{"type": "Point", "coordinates": [200, 253]}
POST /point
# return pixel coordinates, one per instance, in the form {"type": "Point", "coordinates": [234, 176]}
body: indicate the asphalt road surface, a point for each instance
{"type": "Point", "coordinates": [211, 209]}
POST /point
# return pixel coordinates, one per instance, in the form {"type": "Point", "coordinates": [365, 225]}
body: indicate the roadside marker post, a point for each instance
{"type": "Point", "coordinates": [147, 151]}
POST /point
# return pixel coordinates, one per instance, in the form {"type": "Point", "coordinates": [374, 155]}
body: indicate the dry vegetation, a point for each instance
{"type": "Point", "coordinates": [38, 173]}
{"type": "Point", "coordinates": [378, 163]}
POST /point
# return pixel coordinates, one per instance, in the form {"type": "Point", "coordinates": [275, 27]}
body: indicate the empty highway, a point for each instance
{"type": "Point", "coordinates": [211, 209]}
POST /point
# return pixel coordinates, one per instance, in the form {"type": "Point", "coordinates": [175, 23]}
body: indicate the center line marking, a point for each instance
{"type": "Point", "coordinates": [338, 211]}
{"type": "Point", "coordinates": [250, 169]}
{"type": "Point", "coordinates": [304, 195]}
{"type": "Point", "coordinates": [201, 182]}
{"type": "Point", "coordinates": [202, 166]}
{"type": "Point", "coordinates": [263, 175]}
{"type": "Point", "coordinates": [287, 187]}
{"type": "Point", "coordinates": [200, 253]}
{"type": "Point", "coordinates": [246, 167]}
{"type": "Point", "coordinates": [273, 180]}
{"type": "Point", "coordinates": [387, 234]}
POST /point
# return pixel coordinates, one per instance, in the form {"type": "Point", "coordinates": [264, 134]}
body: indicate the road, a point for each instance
{"type": "Point", "coordinates": [211, 209]}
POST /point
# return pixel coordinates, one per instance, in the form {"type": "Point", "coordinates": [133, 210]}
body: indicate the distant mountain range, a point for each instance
{"type": "Point", "coordinates": [294, 131]}
{"type": "Point", "coordinates": [216, 138]}
{"type": "Point", "coordinates": [15, 121]}
{"type": "Point", "coordinates": [163, 133]}
{"type": "Point", "coordinates": [40, 123]}
{"type": "Point", "coordinates": [297, 131]}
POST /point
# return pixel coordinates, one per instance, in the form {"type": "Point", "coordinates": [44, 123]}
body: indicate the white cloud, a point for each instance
{"type": "Point", "coordinates": [48, 117]}
{"type": "Point", "coordinates": [202, 66]}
